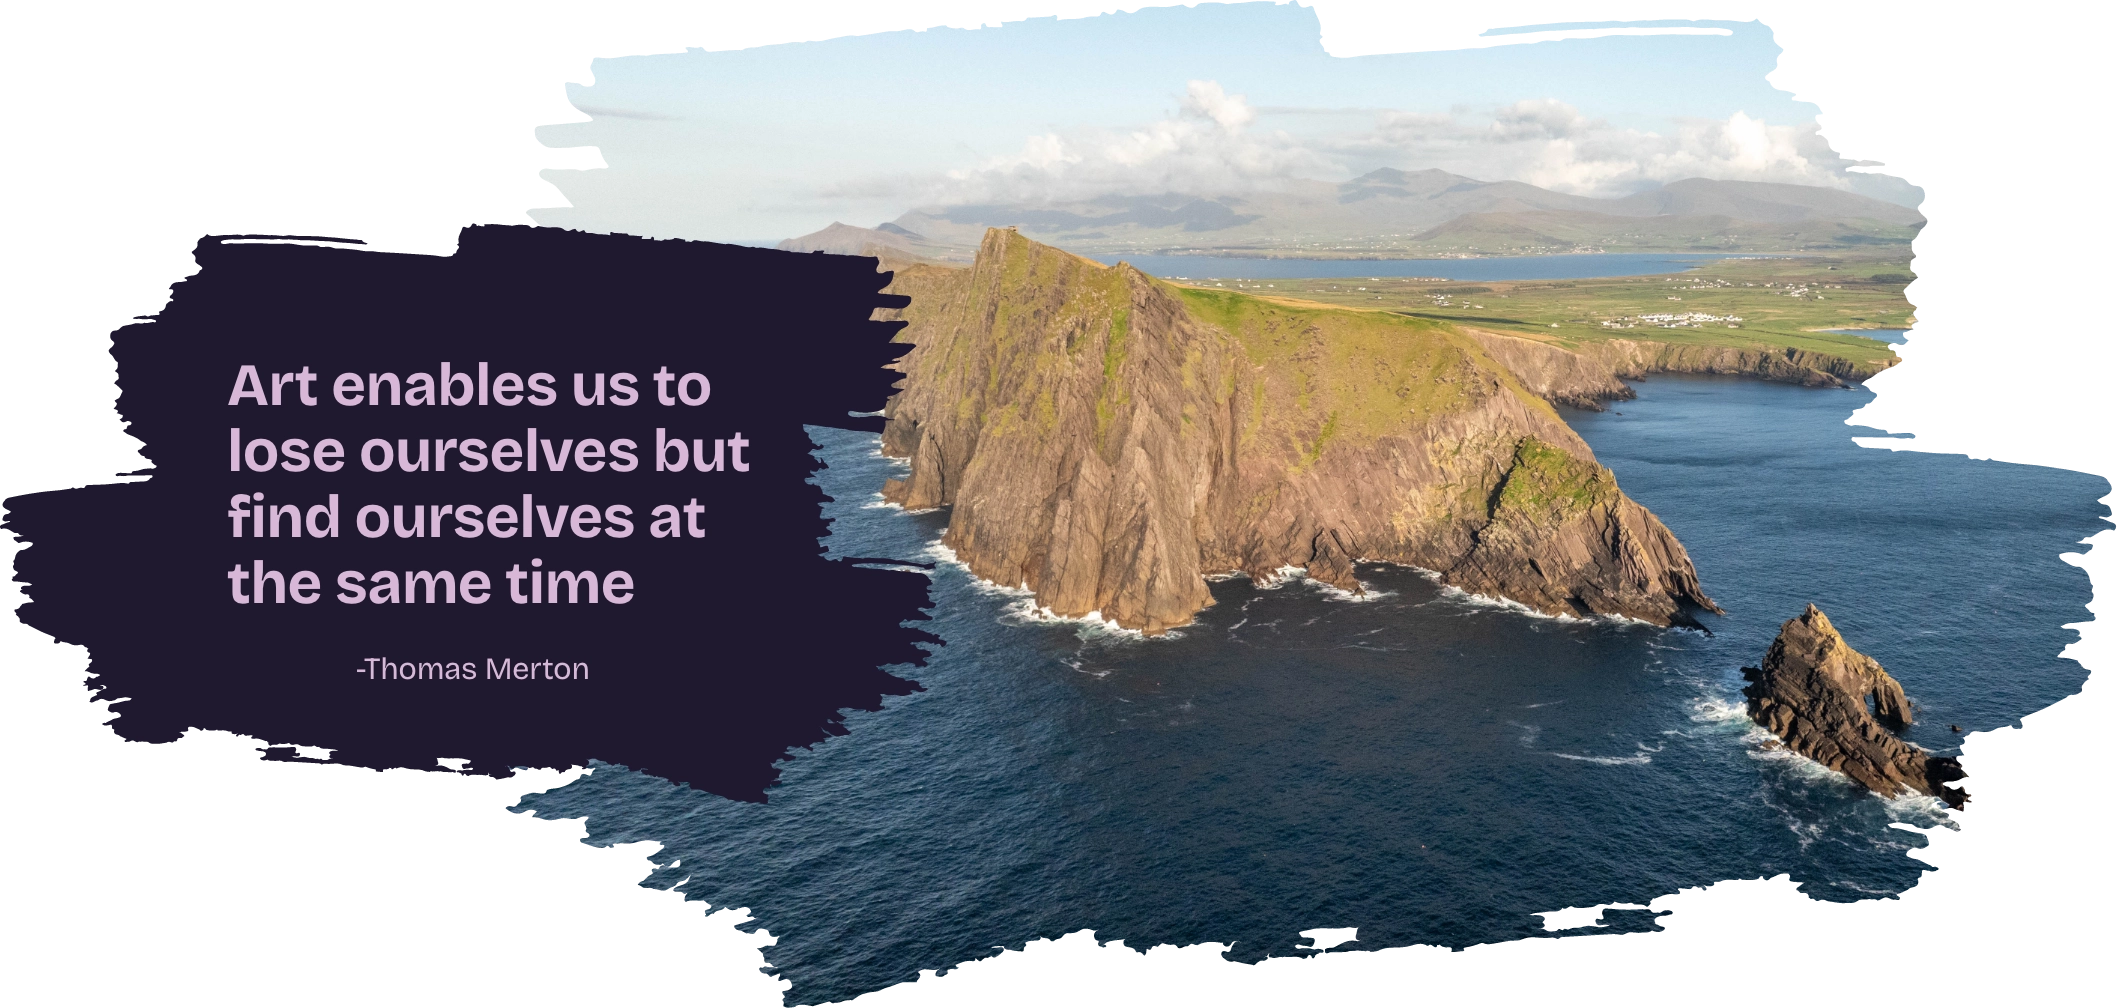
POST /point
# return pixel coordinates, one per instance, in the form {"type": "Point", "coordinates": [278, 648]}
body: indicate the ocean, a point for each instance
{"type": "Point", "coordinates": [1897, 336]}
{"type": "Point", "coordinates": [1535, 267]}
{"type": "Point", "coordinates": [1421, 765]}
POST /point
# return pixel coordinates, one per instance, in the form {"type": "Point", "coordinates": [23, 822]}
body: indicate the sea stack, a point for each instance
{"type": "Point", "coordinates": [1838, 707]}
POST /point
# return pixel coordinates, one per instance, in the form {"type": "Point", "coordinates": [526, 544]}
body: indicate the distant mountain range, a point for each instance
{"type": "Point", "coordinates": [1390, 212]}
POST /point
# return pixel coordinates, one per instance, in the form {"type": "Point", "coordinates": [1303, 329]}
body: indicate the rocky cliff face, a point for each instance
{"type": "Point", "coordinates": [1638, 358]}
{"type": "Point", "coordinates": [1107, 440]}
{"type": "Point", "coordinates": [1554, 372]}
{"type": "Point", "coordinates": [1592, 372]}
{"type": "Point", "coordinates": [1838, 707]}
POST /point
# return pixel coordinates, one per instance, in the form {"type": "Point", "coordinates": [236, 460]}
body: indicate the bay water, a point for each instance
{"type": "Point", "coordinates": [1424, 766]}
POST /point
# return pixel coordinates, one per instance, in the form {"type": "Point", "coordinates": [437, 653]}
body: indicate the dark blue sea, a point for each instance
{"type": "Point", "coordinates": [1423, 766]}
{"type": "Point", "coordinates": [1538, 267]}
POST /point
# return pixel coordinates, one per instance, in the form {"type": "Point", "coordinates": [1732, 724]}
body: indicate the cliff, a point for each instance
{"type": "Point", "coordinates": [1554, 372]}
{"type": "Point", "coordinates": [1629, 358]}
{"type": "Point", "coordinates": [1592, 372]}
{"type": "Point", "coordinates": [1838, 707]}
{"type": "Point", "coordinates": [1107, 439]}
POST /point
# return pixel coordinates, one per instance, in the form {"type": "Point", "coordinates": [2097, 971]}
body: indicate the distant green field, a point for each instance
{"type": "Point", "coordinates": [1780, 302]}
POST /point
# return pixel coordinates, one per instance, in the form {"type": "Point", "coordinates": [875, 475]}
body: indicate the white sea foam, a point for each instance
{"type": "Point", "coordinates": [1529, 733]}
{"type": "Point", "coordinates": [1607, 760]}
{"type": "Point", "coordinates": [1367, 592]}
{"type": "Point", "coordinates": [937, 550]}
{"type": "Point", "coordinates": [1027, 611]}
{"type": "Point", "coordinates": [1919, 810]}
{"type": "Point", "coordinates": [1022, 607]}
{"type": "Point", "coordinates": [1475, 600]}
{"type": "Point", "coordinates": [1075, 665]}
{"type": "Point", "coordinates": [1280, 578]}
{"type": "Point", "coordinates": [1766, 748]}
{"type": "Point", "coordinates": [1868, 890]}
{"type": "Point", "coordinates": [1715, 710]}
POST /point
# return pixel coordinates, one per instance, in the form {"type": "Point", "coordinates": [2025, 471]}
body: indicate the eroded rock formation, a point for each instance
{"type": "Point", "coordinates": [1107, 439]}
{"type": "Point", "coordinates": [1592, 371]}
{"type": "Point", "coordinates": [1554, 372]}
{"type": "Point", "coordinates": [1838, 707]}
{"type": "Point", "coordinates": [1630, 358]}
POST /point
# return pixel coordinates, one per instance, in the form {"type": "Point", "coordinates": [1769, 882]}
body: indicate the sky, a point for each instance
{"type": "Point", "coordinates": [761, 144]}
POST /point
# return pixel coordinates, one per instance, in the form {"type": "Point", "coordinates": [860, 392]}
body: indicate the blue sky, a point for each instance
{"type": "Point", "coordinates": [771, 142]}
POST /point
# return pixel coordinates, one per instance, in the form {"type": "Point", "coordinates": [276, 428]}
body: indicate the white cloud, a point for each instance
{"type": "Point", "coordinates": [1538, 119]}
{"type": "Point", "coordinates": [1206, 98]}
{"type": "Point", "coordinates": [1209, 147]}
{"type": "Point", "coordinates": [1551, 144]}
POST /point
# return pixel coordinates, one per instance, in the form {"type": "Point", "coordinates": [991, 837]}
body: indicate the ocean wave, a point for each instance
{"type": "Point", "coordinates": [1715, 710]}
{"type": "Point", "coordinates": [882, 504]}
{"type": "Point", "coordinates": [1024, 612]}
{"type": "Point", "coordinates": [1337, 594]}
{"type": "Point", "coordinates": [1767, 749]}
{"type": "Point", "coordinates": [1280, 578]}
{"type": "Point", "coordinates": [1607, 760]}
{"type": "Point", "coordinates": [1529, 733]}
{"type": "Point", "coordinates": [1076, 665]}
{"type": "Point", "coordinates": [1806, 831]}
{"type": "Point", "coordinates": [1475, 600]}
{"type": "Point", "coordinates": [938, 549]}
{"type": "Point", "coordinates": [1869, 891]}
{"type": "Point", "coordinates": [1920, 810]}
{"type": "Point", "coordinates": [1022, 608]}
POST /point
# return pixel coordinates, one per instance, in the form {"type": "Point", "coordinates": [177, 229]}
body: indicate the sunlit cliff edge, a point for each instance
{"type": "Point", "coordinates": [1108, 440]}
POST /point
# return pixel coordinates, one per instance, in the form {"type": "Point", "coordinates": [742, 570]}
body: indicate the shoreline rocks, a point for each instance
{"type": "Point", "coordinates": [1839, 707]}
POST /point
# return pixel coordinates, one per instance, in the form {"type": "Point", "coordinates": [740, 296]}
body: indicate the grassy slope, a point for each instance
{"type": "Point", "coordinates": [1369, 374]}
{"type": "Point", "coordinates": [1841, 295]}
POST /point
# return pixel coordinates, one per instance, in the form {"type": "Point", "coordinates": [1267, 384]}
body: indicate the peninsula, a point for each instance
{"type": "Point", "coordinates": [1108, 440]}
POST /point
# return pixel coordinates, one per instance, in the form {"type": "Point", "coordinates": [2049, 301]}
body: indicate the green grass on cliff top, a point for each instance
{"type": "Point", "coordinates": [1549, 485]}
{"type": "Point", "coordinates": [1359, 374]}
{"type": "Point", "coordinates": [1782, 302]}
